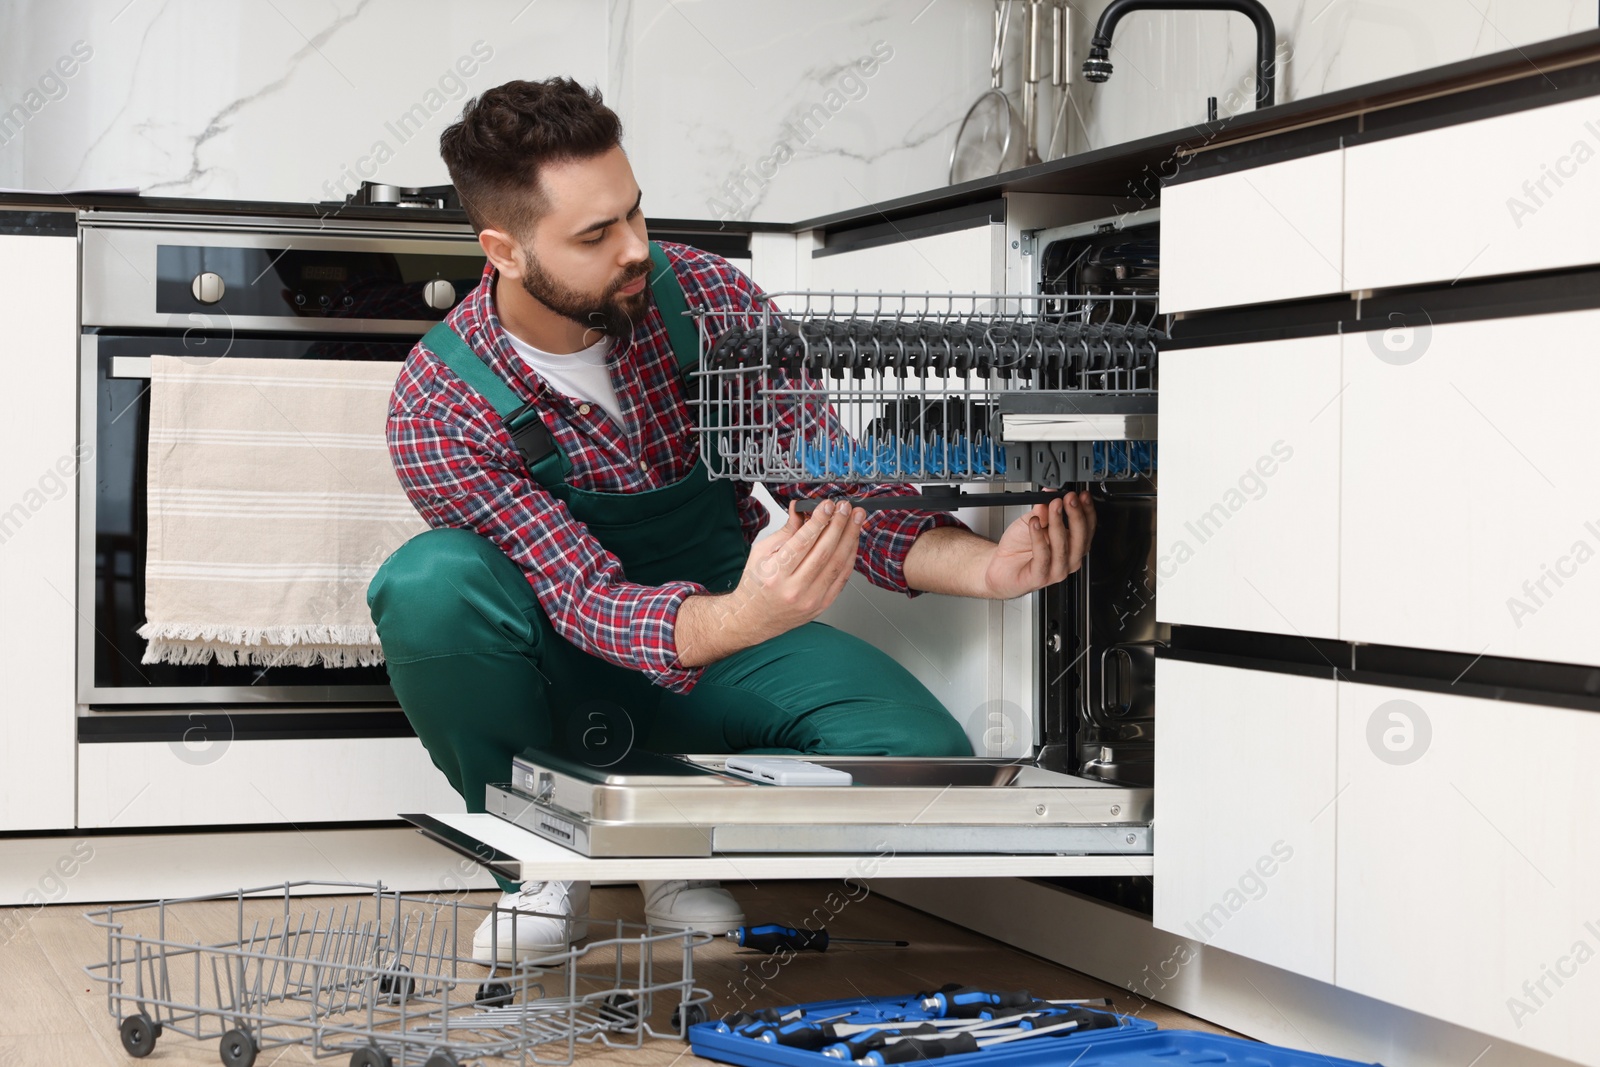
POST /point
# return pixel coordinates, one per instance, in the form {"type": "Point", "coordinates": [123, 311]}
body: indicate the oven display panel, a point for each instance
{"type": "Point", "coordinates": [312, 283]}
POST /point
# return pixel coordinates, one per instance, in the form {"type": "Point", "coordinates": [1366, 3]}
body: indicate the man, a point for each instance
{"type": "Point", "coordinates": [612, 567]}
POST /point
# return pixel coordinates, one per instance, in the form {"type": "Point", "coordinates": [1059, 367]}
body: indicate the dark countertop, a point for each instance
{"type": "Point", "coordinates": [1134, 171]}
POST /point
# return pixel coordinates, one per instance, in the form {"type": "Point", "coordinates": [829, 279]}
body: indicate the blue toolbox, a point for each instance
{"type": "Point", "coordinates": [969, 1026]}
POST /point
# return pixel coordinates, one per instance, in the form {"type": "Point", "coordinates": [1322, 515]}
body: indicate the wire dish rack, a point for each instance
{"type": "Point", "coordinates": [924, 387]}
{"type": "Point", "coordinates": [388, 979]}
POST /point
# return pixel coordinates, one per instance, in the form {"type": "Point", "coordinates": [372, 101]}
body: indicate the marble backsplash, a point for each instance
{"type": "Point", "coordinates": [771, 111]}
{"type": "Point", "coordinates": [765, 110]}
{"type": "Point", "coordinates": [1168, 63]}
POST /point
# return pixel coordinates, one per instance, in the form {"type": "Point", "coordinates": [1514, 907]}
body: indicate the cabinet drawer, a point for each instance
{"type": "Point", "coordinates": [1469, 519]}
{"type": "Point", "coordinates": [1244, 810]}
{"type": "Point", "coordinates": [123, 785]}
{"type": "Point", "coordinates": [1517, 192]}
{"type": "Point", "coordinates": [1268, 233]}
{"type": "Point", "coordinates": [970, 260]}
{"type": "Point", "coordinates": [1468, 880]}
{"type": "Point", "coordinates": [1248, 497]}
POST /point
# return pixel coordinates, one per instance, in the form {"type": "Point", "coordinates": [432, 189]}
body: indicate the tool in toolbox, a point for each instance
{"type": "Point", "coordinates": [967, 1002]}
{"type": "Point", "coordinates": [994, 1012]}
{"type": "Point", "coordinates": [773, 937]}
{"type": "Point", "coordinates": [878, 1031]}
{"type": "Point", "coordinates": [846, 1041]}
{"type": "Point", "coordinates": [918, 1048]}
{"type": "Point", "coordinates": [999, 1016]}
{"type": "Point", "coordinates": [854, 1047]}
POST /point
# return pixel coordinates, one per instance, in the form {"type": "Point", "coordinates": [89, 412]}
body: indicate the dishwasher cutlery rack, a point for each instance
{"type": "Point", "coordinates": [388, 979]}
{"type": "Point", "coordinates": [909, 387]}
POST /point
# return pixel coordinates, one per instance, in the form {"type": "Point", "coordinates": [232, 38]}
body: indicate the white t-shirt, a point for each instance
{"type": "Point", "coordinates": [582, 375]}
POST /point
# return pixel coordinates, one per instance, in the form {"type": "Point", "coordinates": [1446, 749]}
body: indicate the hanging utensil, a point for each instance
{"type": "Point", "coordinates": [989, 139]}
{"type": "Point", "coordinates": [1061, 72]}
{"type": "Point", "coordinates": [1030, 82]}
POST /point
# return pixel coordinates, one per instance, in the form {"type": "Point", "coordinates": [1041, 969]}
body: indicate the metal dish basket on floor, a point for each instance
{"type": "Point", "coordinates": [388, 979]}
{"type": "Point", "coordinates": [928, 387]}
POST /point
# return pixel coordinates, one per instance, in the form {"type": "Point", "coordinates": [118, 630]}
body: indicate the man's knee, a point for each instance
{"type": "Point", "coordinates": [427, 567]}
{"type": "Point", "coordinates": [439, 582]}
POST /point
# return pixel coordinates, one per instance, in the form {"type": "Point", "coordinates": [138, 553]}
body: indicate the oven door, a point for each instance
{"type": "Point", "coordinates": [115, 428]}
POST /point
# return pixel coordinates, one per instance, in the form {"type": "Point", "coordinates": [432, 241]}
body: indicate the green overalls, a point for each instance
{"type": "Point", "coordinates": [482, 674]}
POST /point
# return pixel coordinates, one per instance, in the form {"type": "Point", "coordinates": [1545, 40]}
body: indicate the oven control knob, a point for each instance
{"type": "Point", "coordinates": [207, 288]}
{"type": "Point", "coordinates": [439, 295]}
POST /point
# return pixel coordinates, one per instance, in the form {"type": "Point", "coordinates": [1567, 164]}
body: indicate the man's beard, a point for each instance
{"type": "Point", "coordinates": [611, 313]}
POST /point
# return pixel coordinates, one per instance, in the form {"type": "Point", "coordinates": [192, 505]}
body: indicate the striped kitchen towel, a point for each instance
{"type": "Point", "coordinates": [272, 502]}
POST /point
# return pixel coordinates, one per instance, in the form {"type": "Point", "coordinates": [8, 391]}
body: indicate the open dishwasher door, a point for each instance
{"type": "Point", "coordinates": [653, 805]}
{"type": "Point", "coordinates": [651, 815]}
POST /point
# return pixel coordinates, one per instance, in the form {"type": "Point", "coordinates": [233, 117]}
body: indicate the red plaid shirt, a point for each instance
{"type": "Point", "coordinates": [460, 469]}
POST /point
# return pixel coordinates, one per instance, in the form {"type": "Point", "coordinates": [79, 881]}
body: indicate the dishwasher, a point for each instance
{"type": "Point", "coordinates": [1021, 394]}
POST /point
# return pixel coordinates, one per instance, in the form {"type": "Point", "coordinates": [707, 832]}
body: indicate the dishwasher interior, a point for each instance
{"type": "Point", "coordinates": [1042, 391]}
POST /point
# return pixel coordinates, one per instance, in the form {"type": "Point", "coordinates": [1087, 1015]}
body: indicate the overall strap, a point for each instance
{"type": "Point", "coordinates": [521, 419]}
{"type": "Point", "coordinates": [668, 291]}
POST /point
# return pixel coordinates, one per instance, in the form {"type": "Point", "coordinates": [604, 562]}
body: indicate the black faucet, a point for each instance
{"type": "Point", "coordinates": [1097, 68]}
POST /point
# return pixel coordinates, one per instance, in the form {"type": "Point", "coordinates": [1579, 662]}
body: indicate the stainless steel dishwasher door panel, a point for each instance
{"type": "Point", "coordinates": [932, 791]}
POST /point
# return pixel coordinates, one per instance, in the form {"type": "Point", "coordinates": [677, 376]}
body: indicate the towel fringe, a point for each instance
{"type": "Point", "coordinates": [268, 646]}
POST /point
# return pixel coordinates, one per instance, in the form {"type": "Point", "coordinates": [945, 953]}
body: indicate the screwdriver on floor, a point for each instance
{"type": "Point", "coordinates": [772, 937]}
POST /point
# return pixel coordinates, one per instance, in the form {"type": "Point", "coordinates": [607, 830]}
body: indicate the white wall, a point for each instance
{"type": "Point", "coordinates": [268, 101]}
{"type": "Point", "coordinates": [241, 99]}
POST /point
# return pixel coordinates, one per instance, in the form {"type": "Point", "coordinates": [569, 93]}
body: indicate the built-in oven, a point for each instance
{"type": "Point", "coordinates": [218, 288]}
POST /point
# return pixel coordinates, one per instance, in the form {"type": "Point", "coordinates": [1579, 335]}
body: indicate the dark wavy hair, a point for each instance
{"type": "Point", "coordinates": [494, 151]}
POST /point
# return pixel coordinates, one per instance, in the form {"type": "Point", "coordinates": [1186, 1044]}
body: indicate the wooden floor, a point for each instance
{"type": "Point", "coordinates": [52, 1013]}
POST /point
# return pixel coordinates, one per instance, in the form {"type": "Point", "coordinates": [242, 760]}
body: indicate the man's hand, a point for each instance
{"type": "Point", "coordinates": [1041, 548]}
{"type": "Point", "coordinates": [791, 577]}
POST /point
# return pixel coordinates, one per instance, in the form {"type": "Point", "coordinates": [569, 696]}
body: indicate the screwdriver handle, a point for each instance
{"type": "Point", "coordinates": [968, 1002]}
{"type": "Point", "coordinates": [857, 1045]}
{"type": "Point", "coordinates": [772, 937]}
{"type": "Point", "coordinates": [795, 1034]}
{"type": "Point", "coordinates": [929, 1048]}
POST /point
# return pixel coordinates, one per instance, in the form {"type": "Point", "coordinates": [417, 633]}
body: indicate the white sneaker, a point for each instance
{"type": "Point", "coordinates": [682, 905]}
{"type": "Point", "coordinates": [511, 932]}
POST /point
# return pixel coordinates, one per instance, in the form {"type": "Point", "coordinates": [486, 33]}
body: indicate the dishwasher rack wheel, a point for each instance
{"type": "Point", "coordinates": [237, 1049]}
{"type": "Point", "coordinates": [492, 994]}
{"type": "Point", "coordinates": [139, 1034]}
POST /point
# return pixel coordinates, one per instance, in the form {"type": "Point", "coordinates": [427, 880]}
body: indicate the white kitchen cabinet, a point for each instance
{"type": "Point", "coordinates": [128, 785]}
{"type": "Point", "coordinates": [38, 564]}
{"type": "Point", "coordinates": [1268, 233]}
{"type": "Point", "coordinates": [1517, 192]}
{"type": "Point", "coordinates": [1468, 878]}
{"type": "Point", "coordinates": [1244, 826]}
{"type": "Point", "coordinates": [971, 260]}
{"type": "Point", "coordinates": [1248, 502]}
{"type": "Point", "coordinates": [1469, 519]}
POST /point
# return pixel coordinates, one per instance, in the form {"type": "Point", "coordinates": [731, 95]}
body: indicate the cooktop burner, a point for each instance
{"type": "Point", "coordinates": [436, 197]}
